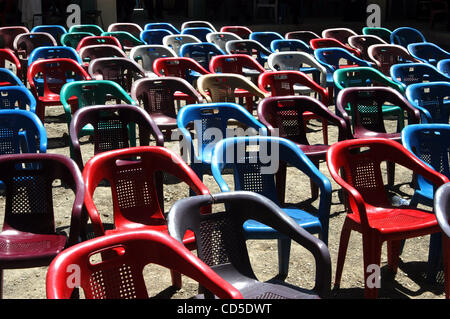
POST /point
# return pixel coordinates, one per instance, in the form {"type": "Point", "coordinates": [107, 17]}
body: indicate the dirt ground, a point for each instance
{"type": "Point", "coordinates": [409, 282]}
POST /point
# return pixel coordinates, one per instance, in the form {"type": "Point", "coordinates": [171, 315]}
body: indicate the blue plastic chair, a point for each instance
{"type": "Point", "coordinates": [406, 35]}
{"type": "Point", "coordinates": [154, 36]}
{"type": "Point", "coordinates": [290, 45]}
{"type": "Point", "coordinates": [444, 66]}
{"type": "Point", "coordinates": [9, 78]}
{"type": "Point", "coordinates": [254, 161]}
{"type": "Point", "coordinates": [411, 73]}
{"type": "Point", "coordinates": [431, 99]}
{"type": "Point", "coordinates": [55, 30]}
{"type": "Point", "coordinates": [162, 25]}
{"type": "Point", "coordinates": [51, 52]}
{"type": "Point", "coordinates": [265, 37]}
{"type": "Point", "coordinates": [428, 52]}
{"type": "Point", "coordinates": [201, 52]}
{"type": "Point", "coordinates": [208, 119]}
{"type": "Point", "coordinates": [17, 97]}
{"type": "Point", "coordinates": [198, 32]}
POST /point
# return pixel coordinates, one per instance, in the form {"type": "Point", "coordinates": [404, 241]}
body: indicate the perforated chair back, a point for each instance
{"type": "Point", "coordinates": [17, 97]}
{"type": "Point", "coordinates": [432, 99]}
{"type": "Point", "coordinates": [8, 56]}
{"type": "Point", "coordinates": [410, 73]}
{"type": "Point", "coordinates": [386, 55]}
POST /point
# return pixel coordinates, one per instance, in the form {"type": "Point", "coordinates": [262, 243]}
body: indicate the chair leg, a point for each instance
{"type": "Point", "coordinates": [343, 243]}
{"type": "Point", "coordinates": [434, 255]}
{"type": "Point", "coordinates": [176, 279]}
{"type": "Point", "coordinates": [1, 283]}
{"type": "Point", "coordinates": [284, 251]}
{"type": "Point", "coordinates": [393, 248]}
{"type": "Point", "coordinates": [325, 131]}
{"type": "Point", "coordinates": [372, 257]}
{"type": "Point", "coordinates": [314, 187]}
{"type": "Point", "coordinates": [446, 256]}
{"type": "Point", "coordinates": [391, 173]}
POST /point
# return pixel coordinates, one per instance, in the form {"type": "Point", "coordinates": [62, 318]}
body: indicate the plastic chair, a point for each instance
{"type": "Point", "coordinates": [55, 30]}
{"type": "Point", "coordinates": [133, 28]}
{"type": "Point", "coordinates": [135, 178]}
{"type": "Point", "coordinates": [265, 38]}
{"type": "Point", "coordinates": [158, 96]}
{"type": "Point", "coordinates": [257, 172]}
{"type": "Point", "coordinates": [362, 43]}
{"type": "Point", "coordinates": [382, 33]}
{"type": "Point", "coordinates": [98, 40]}
{"type": "Point", "coordinates": [154, 36]}
{"type": "Point", "coordinates": [198, 32]}
{"type": "Point", "coordinates": [185, 68]}
{"type": "Point", "coordinates": [228, 241]}
{"type": "Point", "coordinates": [406, 35]}
{"type": "Point", "coordinates": [237, 63]}
{"type": "Point", "coordinates": [9, 33]}
{"type": "Point", "coordinates": [340, 34]}
{"type": "Point", "coordinates": [432, 101]}
{"type": "Point", "coordinates": [441, 210]}
{"type": "Point", "coordinates": [428, 52]}
{"type": "Point", "coordinates": [123, 71]}
{"type": "Point", "coordinates": [112, 125]}
{"type": "Point", "coordinates": [146, 55]}
{"type": "Point", "coordinates": [161, 25]}
{"type": "Point", "coordinates": [369, 209]}
{"type": "Point", "coordinates": [332, 43]}
{"type": "Point", "coordinates": [201, 52]}
{"type": "Point", "coordinates": [54, 73]}
{"type": "Point", "coordinates": [29, 235]}
{"type": "Point", "coordinates": [9, 78]}
{"type": "Point", "coordinates": [92, 52]}
{"type": "Point", "coordinates": [305, 36]}
{"type": "Point", "coordinates": [212, 117]}
{"type": "Point", "coordinates": [126, 39]}
{"type": "Point", "coordinates": [444, 66]}
{"type": "Point", "coordinates": [386, 55]}
{"type": "Point", "coordinates": [411, 73]}
{"type": "Point", "coordinates": [17, 97]}
{"type": "Point", "coordinates": [221, 38]}
{"type": "Point", "coordinates": [14, 63]}
{"type": "Point", "coordinates": [73, 39]}
{"type": "Point", "coordinates": [136, 249]}
{"type": "Point", "coordinates": [53, 52]}
{"type": "Point", "coordinates": [175, 41]}
{"type": "Point", "coordinates": [242, 31]}
{"type": "Point", "coordinates": [249, 47]}
{"type": "Point", "coordinates": [290, 45]}
{"type": "Point", "coordinates": [197, 24]}
{"type": "Point", "coordinates": [227, 87]}
{"type": "Point", "coordinates": [91, 28]}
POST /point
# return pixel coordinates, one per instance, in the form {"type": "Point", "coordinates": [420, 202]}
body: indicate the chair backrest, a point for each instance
{"type": "Point", "coordinates": [154, 36]}
{"type": "Point", "coordinates": [410, 73]}
{"type": "Point", "coordinates": [332, 43]}
{"type": "Point", "coordinates": [432, 99]}
{"type": "Point", "coordinates": [25, 43]}
{"type": "Point", "coordinates": [249, 47]}
{"type": "Point", "coordinates": [305, 36]}
{"type": "Point", "coordinates": [363, 42]}
{"type": "Point", "coordinates": [234, 63]}
{"type": "Point", "coordinates": [72, 39]}
{"type": "Point", "coordinates": [336, 58]}
{"type": "Point", "coordinates": [10, 56]}
{"type": "Point", "coordinates": [179, 67]}
{"type": "Point", "coordinates": [340, 34]}
{"type": "Point", "coordinates": [221, 38]}
{"type": "Point", "coordinates": [265, 37]}
{"type": "Point", "coordinates": [386, 55]}
{"type": "Point", "coordinates": [8, 34]}
{"type": "Point", "coordinates": [428, 52]}
{"type": "Point", "coordinates": [17, 97]}
{"type": "Point", "coordinates": [242, 31]}
{"type": "Point", "coordinates": [383, 33]}
{"type": "Point", "coordinates": [198, 32]}
{"type": "Point", "coordinates": [53, 52]}
{"type": "Point", "coordinates": [444, 66]}
{"type": "Point", "coordinates": [161, 25]}
{"type": "Point", "coordinates": [126, 39]}
{"type": "Point", "coordinates": [201, 52]}
{"type": "Point", "coordinates": [124, 71]}
{"type": "Point", "coordinates": [9, 78]}
{"type": "Point", "coordinates": [124, 257]}
{"type": "Point", "coordinates": [175, 41]}
{"type": "Point", "coordinates": [91, 28]}
{"type": "Point", "coordinates": [290, 45]}
{"type": "Point", "coordinates": [97, 40]}
{"type": "Point", "coordinates": [55, 30]}
{"type": "Point", "coordinates": [197, 24]}
{"type": "Point", "coordinates": [406, 35]}
{"type": "Point", "coordinates": [92, 52]}
{"type": "Point", "coordinates": [146, 55]}
{"type": "Point", "coordinates": [133, 28]}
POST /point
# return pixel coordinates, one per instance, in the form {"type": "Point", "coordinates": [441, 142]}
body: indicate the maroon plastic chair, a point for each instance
{"type": "Point", "coordinates": [113, 128]}
{"type": "Point", "coordinates": [123, 71]}
{"type": "Point", "coordinates": [158, 96]}
{"type": "Point", "coordinates": [363, 42]}
{"type": "Point", "coordinates": [304, 36]}
{"type": "Point", "coordinates": [92, 52]}
{"type": "Point", "coordinates": [340, 34]}
{"type": "Point", "coordinates": [242, 31]}
{"type": "Point", "coordinates": [136, 250]}
{"type": "Point", "coordinates": [386, 55]}
{"type": "Point", "coordinates": [29, 237]}
{"type": "Point", "coordinates": [8, 34]}
{"type": "Point", "coordinates": [98, 40]}
{"type": "Point", "coordinates": [10, 56]}
{"type": "Point", "coordinates": [132, 28]}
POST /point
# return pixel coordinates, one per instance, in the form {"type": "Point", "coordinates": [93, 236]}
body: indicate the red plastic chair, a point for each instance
{"type": "Point", "coordinates": [55, 73]}
{"type": "Point", "coordinates": [136, 187]}
{"type": "Point", "coordinates": [98, 40]}
{"type": "Point", "coordinates": [119, 275]}
{"type": "Point", "coordinates": [369, 209]}
{"type": "Point", "coordinates": [9, 55]}
{"type": "Point", "coordinates": [29, 237]}
{"type": "Point", "coordinates": [241, 31]}
{"type": "Point", "coordinates": [242, 64]}
{"type": "Point", "coordinates": [332, 43]}
{"type": "Point", "coordinates": [386, 55]}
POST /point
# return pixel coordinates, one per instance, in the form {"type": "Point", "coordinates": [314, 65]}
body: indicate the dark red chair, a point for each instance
{"type": "Point", "coordinates": [182, 67]}
{"type": "Point", "coordinates": [10, 56]}
{"type": "Point", "coordinates": [242, 64]}
{"type": "Point", "coordinates": [124, 256]}
{"type": "Point", "coordinates": [8, 34]}
{"type": "Point", "coordinates": [134, 175]}
{"type": "Point", "coordinates": [92, 52]}
{"type": "Point", "coordinates": [98, 40]}
{"type": "Point", "coordinates": [340, 34]}
{"type": "Point", "coordinates": [29, 237]}
{"type": "Point", "coordinates": [363, 42]}
{"type": "Point", "coordinates": [332, 43]}
{"type": "Point", "coordinates": [356, 166]}
{"type": "Point", "coordinates": [54, 73]}
{"type": "Point", "coordinates": [241, 31]}
{"type": "Point", "coordinates": [386, 55]}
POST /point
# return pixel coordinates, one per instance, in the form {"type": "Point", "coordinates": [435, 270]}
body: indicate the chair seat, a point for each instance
{"type": "Point", "coordinates": [314, 151]}
{"type": "Point", "coordinates": [362, 133]}
{"type": "Point", "coordinates": [163, 121]}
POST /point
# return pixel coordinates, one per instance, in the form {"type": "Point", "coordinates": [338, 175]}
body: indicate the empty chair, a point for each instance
{"type": "Point", "coordinates": [305, 36]}
{"type": "Point", "coordinates": [17, 97]}
{"type": "Point", "coordinates": [175, 41]}
{"type": "Point", "coordinates": [140, 249]}
{"type": "Point", "coordinates": [146, 55]}
{"type": "Point", "coordinates": [237, 63]}
{"type": "Point", "coordinates": [154, 36]}
{"type": "Point", "coordinates": [363, 42]}
{"type": "Point", "coordinates": [228, 242]}
{"type": "Point", "coordinates": [91, 28]}
{"type": "Point", "coordinates": [406, 35]}
{"type": "Point", "coordinates": [242, 31]}
{"type": "Point", "coordinates": [133, 28]}
{"type": "Point", "coordinates": [9, 33]}
{"type": "Point", "coordinates": [386, 55]}
{"type": "Point", "coordinates": [410, 73]}
{"type": "Point", "coordinates": [356, 166]}
{"type": "Point", "coordinates": [265, 37]}
{"type": "Point", "coordinates": [161, 25]}
{"type": "Point", "coordinates": [197, 24]}
{"type": "Point", "coordinates": [72, 39]}
{"type": "Point", "coordinates": [290, 45]}
{"type": "Point", "coordinates": [53, 52]}
{"type": "Point", "coordinates": [123, 71]}
{"type": "Point", "coordinates": [55, 30]}
{"type": "Point", "coordinates": [92, 52]}
{"type": "Point", "coordinates": [9, 60]}
{"type": "Point", "coordinates": [432, 99]}
{"type": "Point", "coordinates": [340, 34]}
{"type": "Point", "coordinates": [198, 32]}
{"type": "Point", "coordinates": [186, 68]}
{"type": "Point", "coordinates": [444, 66]}
{"type": "Point", "coordinates": [9, 78]}
{"type": "Point", "coordinates": [221, 38]}
{"type": "Point", "coordinates": [249, 47]}
{"type": "Point", "coordinates": [97, 40]}
{"type": "Point", "coordinates": [382, 33]}
{"type": "Point", "coordinates": [126, 39]}
{"type": "Point", "coordinates": [29, 233]}
{"type": "Point", "coordinates": [201, 52]}
{"type": "Point", "coordinates": [428, 52]}
{"type": "Point", "coordinates": [332, 43]}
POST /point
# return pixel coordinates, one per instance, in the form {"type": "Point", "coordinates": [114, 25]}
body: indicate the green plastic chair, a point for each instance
{"type": "Point", "coordinates": [72, 39]}
{"type": "Point", "coordinates": [383, 33]}
{"type": "Point", "coordinates": [368, 76]}
{"type": "Point", "coordinates": [95, 92]}
{"type": "Point", "coordinates": [91, 28]}
{"type": "Point", "coordinates": [126, 39]}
